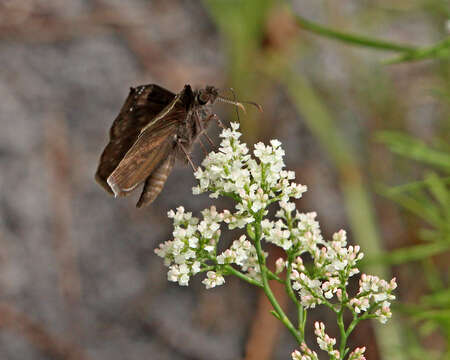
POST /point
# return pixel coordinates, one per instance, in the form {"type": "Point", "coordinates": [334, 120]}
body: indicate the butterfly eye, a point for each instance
{"type": "Point", "coordinates": [202, 98]}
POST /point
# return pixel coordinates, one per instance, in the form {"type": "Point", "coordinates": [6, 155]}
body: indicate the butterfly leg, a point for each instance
{"type": "Point", "coordinates": [219, 122]}
{"type": "Point", "coordinates": [215, 117]}
{"type": "Point", "coordinates": [202, 129]}
{"type": "Point", "coordinates": [186, 153]}
{"type": "Point", "coordinates": [209, 140]}
{"type": "Point", "coordinates": [203, 146]}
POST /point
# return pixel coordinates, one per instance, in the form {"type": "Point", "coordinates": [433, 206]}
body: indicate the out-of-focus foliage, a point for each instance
{"type": "Point", "coordinates": [261, 57]}
{"type": "Point", "coordinates": [429, 200]}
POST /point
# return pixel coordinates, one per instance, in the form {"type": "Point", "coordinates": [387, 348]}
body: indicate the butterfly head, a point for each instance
{"type": "Point", "coordinates": [207, 95]}
{"type": "Point", "coordinates": [210, 94]}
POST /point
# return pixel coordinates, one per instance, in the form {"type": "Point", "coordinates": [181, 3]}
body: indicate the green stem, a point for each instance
{"type": "Point", "coordinates": [272, 276]}
{"type": "Point", "coordinates": [265, 282]}
{"type": "Point", "coordinates": [344, 336]}
{"type": "Point", "coordinates": [242, 276]}
{"type": "Point", "coordinates": [351, 38]}
{"type": "Point", "coordinates": [441, 49]}
{"type": "Point", "coordinates": [352, 325]}
{"type": "Point", "coordinates": [290, 291]}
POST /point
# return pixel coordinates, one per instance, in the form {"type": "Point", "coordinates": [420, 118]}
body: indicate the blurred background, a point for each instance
{"type": "Point", "coordinates": [357, 91]}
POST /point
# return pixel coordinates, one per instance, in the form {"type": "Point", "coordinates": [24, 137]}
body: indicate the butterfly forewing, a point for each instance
{"type": "Point", "coordinates": [138, 164]}
{"type": "Point", "coordinates": [142, 105]}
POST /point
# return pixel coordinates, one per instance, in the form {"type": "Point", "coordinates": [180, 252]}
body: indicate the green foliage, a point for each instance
{"type": "Point", "coordinates": [415, 149]}
{"type": "Point", "coordinates": [429, 200]}
{"type": "Point", "coordinates": [439, 51]}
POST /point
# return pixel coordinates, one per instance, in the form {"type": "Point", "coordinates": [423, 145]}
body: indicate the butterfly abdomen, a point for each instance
{"type": "Point", "coordinates": [155, 182]}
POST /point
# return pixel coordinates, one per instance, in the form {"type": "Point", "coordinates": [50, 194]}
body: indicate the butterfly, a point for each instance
{"type": "Point", "coordinates": [153, 128]}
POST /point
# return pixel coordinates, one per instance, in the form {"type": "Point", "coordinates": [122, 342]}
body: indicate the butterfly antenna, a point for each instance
{"type": "Point", "coordinates": [229, 101]}
{"type": "Point", "coordinates": [234, 99]}
{"type": "Point", "coordinates": [259, 107]}
{"type": "Point", "coordinates": [239, 103]}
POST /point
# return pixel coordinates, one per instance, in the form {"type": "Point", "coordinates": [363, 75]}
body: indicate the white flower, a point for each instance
{"type": "Point", "coordinates": [384, 312]}
{"type": "Point", "coordinates": [325, 342]}
{"type": "Point", "coordinates": [330, 286]}
{"type": "Point", "coordinates": [357, 354]}
{"type": "Point", "coordinates": [193, 242]}
{"type": "Point", "coordinates": [179, 273]}
{"type": "Point", "coordinates": [195, 267]}
{"type": "Point", "coordinates": [280, 264]}
{"type": "Point", "coordinates": [213, 279]}
{"type": "Point", "coordinates": [360, 304]}
{"type": "Point", "coordinates": [227, 257]}
{"type": "Point", "coordinates": [287, 206]}
{"type": "Point", "coordinates": [309, 289]}
{"type": "Point", "coordinates": [267, 225]}
{"type": "Point", "coordinates": [280, 236]}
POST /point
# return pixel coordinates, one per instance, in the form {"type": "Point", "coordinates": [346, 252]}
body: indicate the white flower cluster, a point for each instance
{"type": "Point", "coordinates": [305, 353]}
{"type": "Point", "coordinates": [194, 242]}
{"type": "Point", "coordinates": [298, 233]}
{"type": "Point", "coordinates": [213, 279]}
{"type": "Point", "coordinates": [357, 354]}
{"type": "Point", "coordinates": [325, 342]}
{"type": "Point", "coordinates": [194, 246]}
{"type": "Point", "coordinates": [374, 294]}
{"type": "Point", "coordinates": [310, 290]}
{"type": "Point", "coordinates": [334, 263]}
{"type": "Point", "coordinates": [242, 253]}
{"type": "Point", "coordinates": [255, 183]}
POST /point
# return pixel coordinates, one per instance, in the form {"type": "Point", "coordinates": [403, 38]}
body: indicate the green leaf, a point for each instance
{"type": "Point", "coordinates": [411, 186]}
{"type": "Point", "coordinates": [440, 192]}
{"type": "Point", "coordinates": [353, 39]}
{"type": "Point", "coordinates": [417, 203]}
{"type": "Point", "coordinates": [437, 51]}
{"type": "Point", "coordinates": [438, 298]}
{"type": "Point", "coordinates": [411, 253]}
{"type": "Point", "coordinates": [412, 148]}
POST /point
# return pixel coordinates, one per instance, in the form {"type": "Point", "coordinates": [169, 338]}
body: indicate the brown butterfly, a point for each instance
{"type": "Point", "coordinates": [153, 128]}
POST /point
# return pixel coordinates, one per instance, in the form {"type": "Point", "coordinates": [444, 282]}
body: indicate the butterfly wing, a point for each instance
{"type": "Point", "coordinates": [155, 142]}
{"type": "Point", "coordinates": [139, 162]}
{"type": "Point", "coordinates": [142, 105]}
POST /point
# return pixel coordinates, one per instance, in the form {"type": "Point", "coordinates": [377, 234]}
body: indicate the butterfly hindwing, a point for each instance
{"type": "Point", "coordinates": [142, 105]}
